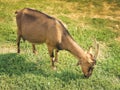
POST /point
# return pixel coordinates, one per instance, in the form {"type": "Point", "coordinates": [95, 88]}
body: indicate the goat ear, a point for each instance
{"type": "Point", "coordinates": [78, 63]}
{"type": "Point", "coordinates": [90, 61]}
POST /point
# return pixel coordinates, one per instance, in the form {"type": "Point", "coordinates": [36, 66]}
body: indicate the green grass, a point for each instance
{"type": "Point", "coordinates": [85, 21]}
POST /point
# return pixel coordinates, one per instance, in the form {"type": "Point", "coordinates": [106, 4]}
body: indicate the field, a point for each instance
{"type": "Point", "coordinates": [85, 20]}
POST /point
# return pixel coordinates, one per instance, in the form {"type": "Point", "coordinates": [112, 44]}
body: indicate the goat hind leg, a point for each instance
{"type": "Point", "coordinates": [18, 44]}
{"type": "Point", "coordinates": [34, 49]}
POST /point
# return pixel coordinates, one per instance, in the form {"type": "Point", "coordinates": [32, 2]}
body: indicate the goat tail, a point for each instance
{"type": "Point", "coordinates": [16, 12]}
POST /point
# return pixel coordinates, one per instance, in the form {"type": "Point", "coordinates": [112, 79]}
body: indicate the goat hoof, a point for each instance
{"type": "Point", "coordinates": [18, 52]}
{"type": "Point", "coordinates": [54, 68]}
{"type": "Point", "coordinates": [56, 61]}
{"type": "Point", "coordinates": [35, 52]}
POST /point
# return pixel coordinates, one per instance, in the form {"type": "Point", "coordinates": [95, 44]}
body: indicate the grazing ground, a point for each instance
{"type": "Point", "coordinates": [85, 20]}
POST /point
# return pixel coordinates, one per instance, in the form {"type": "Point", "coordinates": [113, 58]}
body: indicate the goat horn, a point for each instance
{"type": "Point", "coordinates": [97, 50]}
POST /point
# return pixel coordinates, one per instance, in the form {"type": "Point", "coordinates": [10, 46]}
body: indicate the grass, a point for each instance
{"type": "Point", "coordinates": [85, 21]}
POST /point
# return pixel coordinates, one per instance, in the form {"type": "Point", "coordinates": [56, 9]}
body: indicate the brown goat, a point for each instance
{"type": "Point", "coordinates": [37, 27]}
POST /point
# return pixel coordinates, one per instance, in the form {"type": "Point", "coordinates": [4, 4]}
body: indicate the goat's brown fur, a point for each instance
{"type": "Point", "coordinates": [37, 27]}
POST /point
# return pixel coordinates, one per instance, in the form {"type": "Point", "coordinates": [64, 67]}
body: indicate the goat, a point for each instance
{"type": "Point", "coordinates": [38, 27]}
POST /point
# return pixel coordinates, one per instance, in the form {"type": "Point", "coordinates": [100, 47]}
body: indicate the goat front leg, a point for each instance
{"type": "Point", "coordinates": [56, 55]}
{"type": "Point", "coordinates": [51, 53]}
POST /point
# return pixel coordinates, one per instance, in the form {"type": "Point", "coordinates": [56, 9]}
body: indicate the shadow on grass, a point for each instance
{"type": "Point", "coordinates": [68, 75]}
{"type": "Point", "coordinates": [16, 64]}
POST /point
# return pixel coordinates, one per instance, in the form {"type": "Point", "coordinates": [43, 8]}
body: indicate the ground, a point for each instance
{"type": "Point", "coordinates": [85, 20]}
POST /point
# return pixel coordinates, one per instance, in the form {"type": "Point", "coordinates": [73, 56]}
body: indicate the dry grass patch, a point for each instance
{"type": "Point", "coordinates": [7, 49]}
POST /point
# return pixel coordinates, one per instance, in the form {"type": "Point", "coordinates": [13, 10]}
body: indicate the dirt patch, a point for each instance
{"type": "Point", "coordinates": [4, 49]}
{"type": "Point", "coordinates": [118, 39]}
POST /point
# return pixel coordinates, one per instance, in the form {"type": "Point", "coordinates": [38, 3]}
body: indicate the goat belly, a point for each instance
{"type": "Point", "coordinates": [34, 39]}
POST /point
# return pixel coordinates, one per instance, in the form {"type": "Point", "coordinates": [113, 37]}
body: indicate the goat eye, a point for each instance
{"type": "Point", "coordinates": [90, 69]}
